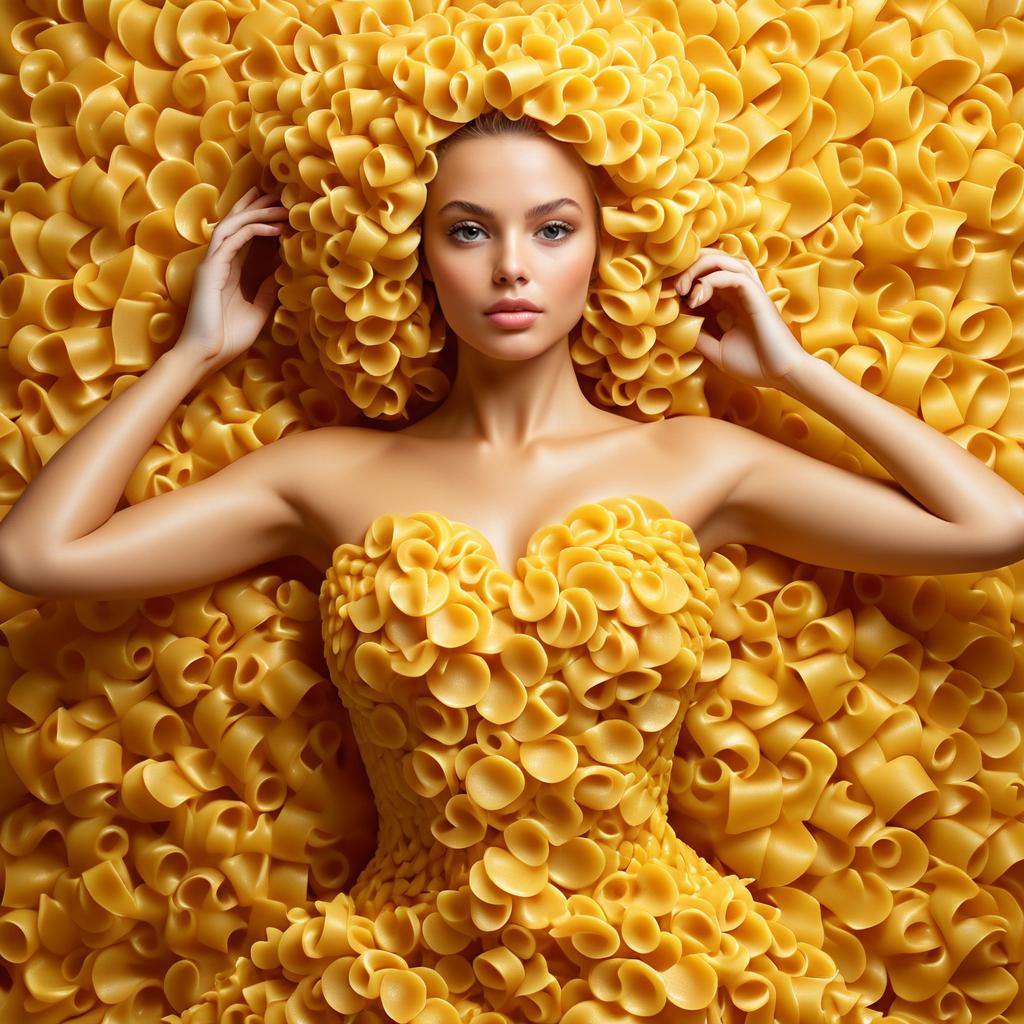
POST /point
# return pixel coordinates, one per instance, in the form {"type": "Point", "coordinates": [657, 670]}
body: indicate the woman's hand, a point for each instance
{"type": "Point", "coordinates": [757, 347]}
{"type": "Point", "coordinates": [221, 322]}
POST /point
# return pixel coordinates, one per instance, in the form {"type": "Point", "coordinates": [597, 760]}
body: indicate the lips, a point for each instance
{"type": "Point", "coordinates": [513, 306]}
{"type": "Point", "coordinates": [513, 318]}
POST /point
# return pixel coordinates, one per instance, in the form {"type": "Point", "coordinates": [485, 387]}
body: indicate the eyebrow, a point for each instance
{"type": "Point", "coordinates": [536, 211]}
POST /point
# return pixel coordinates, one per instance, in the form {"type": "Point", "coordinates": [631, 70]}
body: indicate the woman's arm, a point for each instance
{"type": "Point", "coordinates": [779, 498]}
{"type": "Point", "coordinates": [948, 481]}
{"type": "Point", "coordinates": [782, 499]}
{"type": "Point", "coordinates": [79, 488]}
{"type": "Point", "coordinates": [60, 539]}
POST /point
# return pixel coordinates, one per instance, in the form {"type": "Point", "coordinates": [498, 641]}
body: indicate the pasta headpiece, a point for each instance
{"type": "Point", "coordinates": [351, 132]}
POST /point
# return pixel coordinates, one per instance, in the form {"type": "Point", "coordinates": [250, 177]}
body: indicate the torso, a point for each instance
{"type": "Point", "coordinates": [508, 501]}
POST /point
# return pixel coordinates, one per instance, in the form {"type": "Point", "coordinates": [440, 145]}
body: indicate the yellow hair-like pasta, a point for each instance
{"type": "Point", "coordinates": [847, 777]}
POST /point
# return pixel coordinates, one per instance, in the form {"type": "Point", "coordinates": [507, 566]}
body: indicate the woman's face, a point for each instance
{"type": "Point", "coordinates": [483, 240]}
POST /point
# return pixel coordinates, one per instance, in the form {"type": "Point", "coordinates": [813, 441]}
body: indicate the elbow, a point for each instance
{"type": "Point", "coordinates": [1015, 550]}
{"type": "Point", "coordinates": [996, 544]}
{"type": "Point", "coordinates": [21, 572]}
{"type": "Point", "coordinates": [1018, 521]}
{"type": "Point", "coordinates": [1011, 530]}
{"type": "Point", "coordinates": [10, 572]}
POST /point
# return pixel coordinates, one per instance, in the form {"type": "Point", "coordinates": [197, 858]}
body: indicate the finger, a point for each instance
{"type": "Point", "coordinates": [699, 266]}
{"type": "Point", "coordinates": [709, 259]}
{"type": "Point", "coordinates": [266, 295]}
{"type": "Point", "coordinates": [235, 274]}
{"type": "Point", "coordinates": [710, 283]}
{"type": "Point", "coordinates": [230, 222]}
{"type": "Point", "coordinates": [229, 248]}
{"type": "Point", "coordinates": [222, 225]}
{"type": "Point", "coordinates": [717, 280]}
{"type": "Point", "coordinates": [244, 198]}
{"type": "Point", "coordinates": [254, 216]}
{"type": "Point", "coordinates": [261, 202]}
{"type": "Point", "coordinates": [714, 260]}
{"type": "Point", "coordinates": [708, 346]}
{"type": "Point", "coordinates": [244, 206]}
{"type": "Point", "coordinates": [731, 262]}
{"type": "Point", "coordinates": [246, 219]}
{"type": "Point", "coordinates": [261, 256]}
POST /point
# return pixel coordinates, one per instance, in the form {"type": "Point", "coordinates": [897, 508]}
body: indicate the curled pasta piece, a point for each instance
{"type": "Point", "coordinates": [866, 166]}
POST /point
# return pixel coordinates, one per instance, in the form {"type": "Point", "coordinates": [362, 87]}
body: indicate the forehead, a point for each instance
{"type": "Point", "coordinates": [508, 169]}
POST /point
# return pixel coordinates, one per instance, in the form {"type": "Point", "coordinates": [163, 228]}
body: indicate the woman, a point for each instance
{"type": "Point", "coordinates": [531, 873]}
{"type": "Point", "coordinates": [516, 443]}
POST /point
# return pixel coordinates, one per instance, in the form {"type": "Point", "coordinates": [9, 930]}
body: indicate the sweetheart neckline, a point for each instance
{"type": "Point", "coordinates": [660, 509]}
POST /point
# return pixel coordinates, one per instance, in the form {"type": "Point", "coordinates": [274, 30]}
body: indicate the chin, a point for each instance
{"type": "Point", "coordinates": [513, 346]}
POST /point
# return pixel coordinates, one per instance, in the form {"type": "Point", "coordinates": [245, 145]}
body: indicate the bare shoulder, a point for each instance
{"type": "Point", "coordinates": [312, 457]}
{"type": "Point", "coordinates": [708, 440]}
{"type": "Point", "coordinates": [727, 445]}
{"type": "Point", "coordinates": [328, 462]}
{"type": "Point", "coordinates": [713, 455]}
{"type": "Point", "coordinates": [695, 426]}
{"type": "Point", "coordinates": [318, 472]}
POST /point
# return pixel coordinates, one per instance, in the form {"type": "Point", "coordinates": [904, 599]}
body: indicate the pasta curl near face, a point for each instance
{"type": "Point", "coordinates": [347, 113]}
{"type": "Point", "coordinates": [854, 752]}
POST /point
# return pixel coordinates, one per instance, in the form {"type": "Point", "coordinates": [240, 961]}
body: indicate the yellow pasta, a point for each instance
{"type": "Point", "coordinates": [846, 784]}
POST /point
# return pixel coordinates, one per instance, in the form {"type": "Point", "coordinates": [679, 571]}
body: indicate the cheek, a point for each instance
{"type": "Point", "coordinates": [451, 274]}
{"type": "Point", "coordinates": [570, 276]}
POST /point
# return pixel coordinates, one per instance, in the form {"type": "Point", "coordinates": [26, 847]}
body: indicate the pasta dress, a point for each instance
{"type": "Point", "coordinates": [518, 733]}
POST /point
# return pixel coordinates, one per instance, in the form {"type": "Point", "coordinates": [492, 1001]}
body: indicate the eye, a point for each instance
{"type": "Point", "coordinates": [465, 225]}
{"type": "Point", "coordinates": [559, 224]}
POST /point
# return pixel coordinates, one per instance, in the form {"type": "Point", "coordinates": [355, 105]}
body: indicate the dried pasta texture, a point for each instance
{"type": "Point", "coordinates": [188, 784]}
{"type": "Point", "coordinates": [346, 109]}
{"type": "Point", "coordinates": [518, 732]}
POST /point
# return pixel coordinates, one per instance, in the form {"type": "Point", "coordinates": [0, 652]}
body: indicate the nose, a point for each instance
{"type": "Point", "coordinates": [509, 265]}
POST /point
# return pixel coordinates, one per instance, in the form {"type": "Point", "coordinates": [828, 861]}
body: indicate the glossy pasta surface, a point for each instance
{"type": "Point", "coordinates": [518, 735]}
{"type": "Point", "coordinates": [190, 784]}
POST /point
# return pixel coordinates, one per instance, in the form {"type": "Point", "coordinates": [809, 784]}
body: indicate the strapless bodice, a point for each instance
{"type": "Point", "coordinates": [518, 732]}
{"type": "Point", "coordinates": [525, 722]}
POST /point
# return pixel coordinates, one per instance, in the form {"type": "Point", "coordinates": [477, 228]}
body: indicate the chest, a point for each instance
{"type": "Point", "coordinates": [506, 500]}
{"type": "Point", "coordinates": [611, 605]}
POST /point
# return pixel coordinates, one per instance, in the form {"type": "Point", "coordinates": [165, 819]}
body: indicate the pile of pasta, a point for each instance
{"type": "Point", "coordinates": [170, 768]}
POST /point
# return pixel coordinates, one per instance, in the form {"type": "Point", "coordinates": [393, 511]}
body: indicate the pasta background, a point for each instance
{"type": "Point", "coordinates": [170, 768]}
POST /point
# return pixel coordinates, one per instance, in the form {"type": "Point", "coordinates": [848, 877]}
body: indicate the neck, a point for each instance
{"type": "Point", "coordinates": [513, 404]}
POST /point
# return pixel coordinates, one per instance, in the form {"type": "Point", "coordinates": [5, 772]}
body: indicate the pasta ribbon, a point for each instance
{"type": "Point", "coordinates": [203, 821]}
